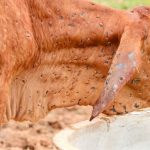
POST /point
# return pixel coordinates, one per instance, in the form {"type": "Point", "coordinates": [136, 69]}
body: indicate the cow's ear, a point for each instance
{"type": "Point", "coordinates": [124, 65]}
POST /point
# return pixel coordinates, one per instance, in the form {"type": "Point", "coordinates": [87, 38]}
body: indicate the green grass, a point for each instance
{"type": "Point", "coordinates": [123, 4]}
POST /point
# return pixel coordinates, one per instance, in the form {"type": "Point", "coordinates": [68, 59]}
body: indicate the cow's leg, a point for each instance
{"type": "Point", "coordinates": [125, 64]}
{"type": "Point", "coordinates": [7, 64]}
{"type": "Point", "coordinates": [4, 96]}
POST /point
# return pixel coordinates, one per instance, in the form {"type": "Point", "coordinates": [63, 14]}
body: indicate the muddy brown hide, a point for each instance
{"type": "Point", "coordinates": [57, 53]}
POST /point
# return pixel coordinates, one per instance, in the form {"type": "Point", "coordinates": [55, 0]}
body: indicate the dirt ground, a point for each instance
{"type": "Point", "coordinates": [38, 136]}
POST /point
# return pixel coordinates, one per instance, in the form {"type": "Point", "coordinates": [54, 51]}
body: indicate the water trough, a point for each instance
{"type": "Point", "coordinates": [127, 132]}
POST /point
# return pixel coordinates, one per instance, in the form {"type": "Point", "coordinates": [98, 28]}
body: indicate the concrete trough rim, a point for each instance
{"type": "Point", "coordinates": [61, 139]}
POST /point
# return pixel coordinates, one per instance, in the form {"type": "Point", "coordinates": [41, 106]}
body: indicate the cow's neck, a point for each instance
{"type": "Point", "coordinates": [71, 23]}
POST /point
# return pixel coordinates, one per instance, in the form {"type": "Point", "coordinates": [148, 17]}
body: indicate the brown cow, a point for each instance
{"type": "Point", "coordinates": [57, 53]}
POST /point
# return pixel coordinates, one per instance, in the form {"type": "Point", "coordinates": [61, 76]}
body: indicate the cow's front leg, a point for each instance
{"type": "Point", "coordinates": [4, 100]}
{"type": "Point", "coordinates": [4, 96]}
{"type": "Point", "coordinates": [6, 72]}
{"type": "Point", "coordinates": [125, 63]}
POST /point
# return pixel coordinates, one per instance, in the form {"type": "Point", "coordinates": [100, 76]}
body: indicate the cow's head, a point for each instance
{"type": "Point", "coordinates": [129, 59]}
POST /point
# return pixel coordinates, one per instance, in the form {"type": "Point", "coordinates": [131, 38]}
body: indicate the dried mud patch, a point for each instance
{"type": "Point", "coordinates": [38, 136]}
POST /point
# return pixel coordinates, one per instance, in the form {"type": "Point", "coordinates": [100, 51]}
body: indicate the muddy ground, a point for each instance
{"type": "Point", "coordinates": [38, 136]}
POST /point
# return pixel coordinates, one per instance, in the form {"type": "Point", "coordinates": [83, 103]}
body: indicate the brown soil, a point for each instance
{"type": "Point", "coordinates": [38, 136]}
